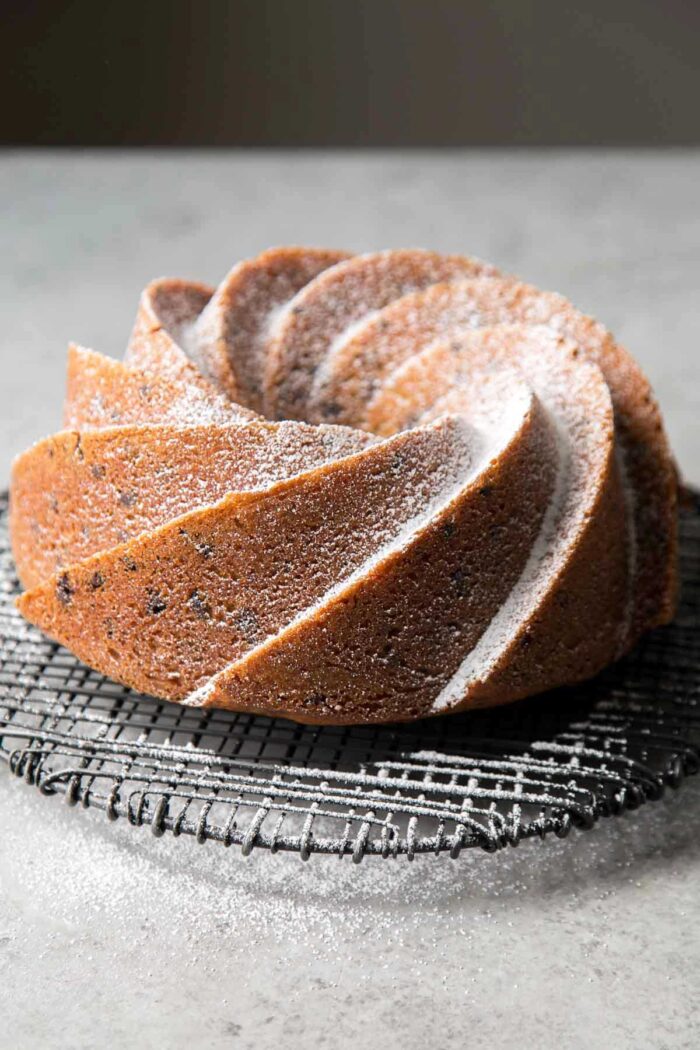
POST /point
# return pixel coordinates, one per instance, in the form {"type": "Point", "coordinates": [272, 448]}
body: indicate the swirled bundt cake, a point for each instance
{"type": "Point", "coordinates": [351, 489]}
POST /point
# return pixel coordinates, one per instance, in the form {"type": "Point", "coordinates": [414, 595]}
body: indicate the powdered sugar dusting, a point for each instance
{"type": "Point", "coordinates": [335, 302]}
{"type": "Point", "coordinates": [337, 343]}
{"type": "Point", "coordinates": [314, 335]}
{"type": "Point", "coordinates": [479, 450]}
{"type": "Point", "coordinates": [580, 463]}
{"type": "Point", "coordinates": [527, 592]}
{"type": "Point", "coordinates": [85, 896]}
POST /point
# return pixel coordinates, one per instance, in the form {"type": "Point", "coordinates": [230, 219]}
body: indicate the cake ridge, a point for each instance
{"type": "Point", "coordinates": [439, 508]}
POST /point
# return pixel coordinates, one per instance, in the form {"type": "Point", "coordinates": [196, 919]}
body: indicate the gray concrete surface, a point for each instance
{"type": "Point", "coordinates": [619, 233]}
{"type": "Point", "coordinates": [110, 937]}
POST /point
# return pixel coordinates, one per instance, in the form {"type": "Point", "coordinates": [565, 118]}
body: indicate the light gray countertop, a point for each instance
{"type": "Point", "coordinates": [111, 937]}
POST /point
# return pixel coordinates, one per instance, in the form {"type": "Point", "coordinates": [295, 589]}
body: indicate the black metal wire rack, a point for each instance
{"type": "Point", "coordinates": [485, 779]}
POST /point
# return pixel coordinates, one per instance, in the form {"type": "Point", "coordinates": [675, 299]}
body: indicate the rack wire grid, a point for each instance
{"type": "Point", "coordinates": [486, 779]}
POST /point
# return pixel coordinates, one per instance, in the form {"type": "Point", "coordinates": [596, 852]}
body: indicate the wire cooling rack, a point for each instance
{"type": "Point", "coordinates": [488, 779]}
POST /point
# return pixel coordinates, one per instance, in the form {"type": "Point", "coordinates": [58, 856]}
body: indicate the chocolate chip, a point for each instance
{"type": "Point", "coordinates": [314, 699]}
{"type": "Point", "coordinates": [203, 548]}
{"type": "Point", "coordinates": [486, 490]}
{"type": "Point", "coordinates": [397, 463]}
{"type": "Point", "coordinates": [449, 529]}
{"type": "Point", "coordinates": [97, 580]}
{"type": "Point", "coordinates": [199, 605]}
{"type": "Point", "coordinates": [460, 582]}
{"type": "Point", "coordinates": [64, 590]}
{"type": "Point", "coordinates": [155, 604]}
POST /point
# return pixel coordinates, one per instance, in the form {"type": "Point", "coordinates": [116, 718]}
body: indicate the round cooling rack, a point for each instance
{"type": "Point", "coordinates": [485, 779]}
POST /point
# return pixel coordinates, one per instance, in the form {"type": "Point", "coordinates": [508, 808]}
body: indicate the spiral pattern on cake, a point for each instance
{"type": "Point", "coordinates": [351, 489]}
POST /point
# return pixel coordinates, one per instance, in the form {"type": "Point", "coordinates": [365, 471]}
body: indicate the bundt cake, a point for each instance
{"type": "Point", "coordinates": [351, 489]}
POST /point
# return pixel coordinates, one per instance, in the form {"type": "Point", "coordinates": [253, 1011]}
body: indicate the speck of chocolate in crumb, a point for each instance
{"type": "Point", "coordinates": [201, 546]}
{"type": "Point", "coordinates": [129, 563]}
{"type": "Point", "coordinates": [460, 581]}
{"type": "Point", "coordinates": [97, 580]}
{"type": "Point", "coordinates": [127, 499]}
{"type": "Point", "coordinates": [155, 604]}
{"type": "Point", "coordinates": [397, 462]}
{"type": "Point", "coordinates": [449, 529]}
{"type": "Point", "coordinates": [197, 601]}
{"type": "Point", "coordinates": [64, 590]}
{"type": "Point", "coordinates": [247, 623]}
{"type": "Point", "coordinates": [98, 470]}
{"type": "Point", "coordinates": [314, 699]}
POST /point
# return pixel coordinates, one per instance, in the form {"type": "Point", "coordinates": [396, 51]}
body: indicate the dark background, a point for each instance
{"type": "Point", "coordinates": [350, 72]}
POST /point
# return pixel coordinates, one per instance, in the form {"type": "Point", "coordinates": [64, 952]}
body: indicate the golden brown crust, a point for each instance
{"type": "Point", "coordinates": [168, 306]}
{"type": "Point", "coordinates": [443, 311]}
{"type": "Point", "coordinates": [78, 493]}
{"type": "Point", "coordinates": [166, 610]}
{"type": "Point", "coordinates": [419, 608]}
{"type": "Point", "coordinates": [101, 392]}
{"type": "Point", "coordinates": [231, 334]}
{"type": "Point", "coordinates": [336, 300]}
{"type": "Point", "coordinates": [509, 526]}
